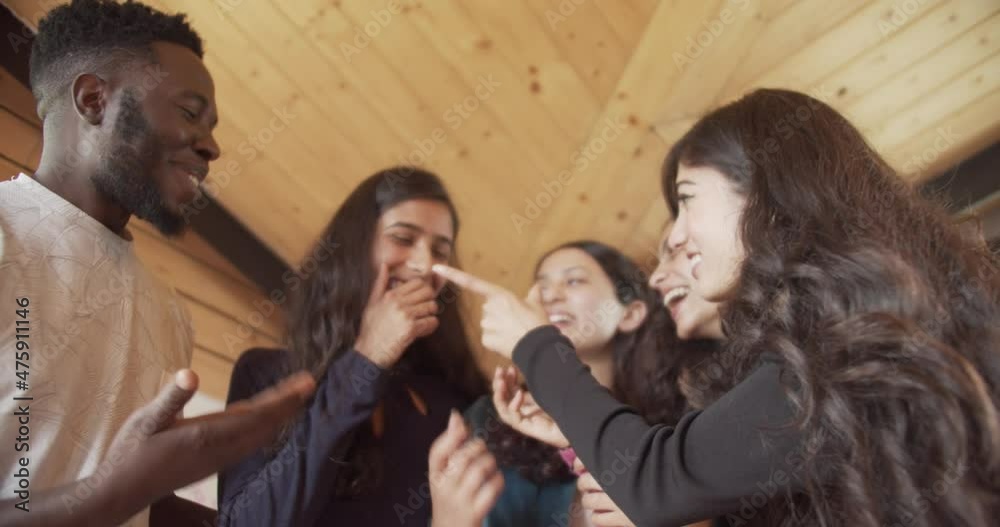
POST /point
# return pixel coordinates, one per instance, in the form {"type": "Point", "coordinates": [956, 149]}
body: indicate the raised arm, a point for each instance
{"type": "Point", "coordinates": [713, 462]}
{"type": "Point", "coordinates": [291, 486]}
{"type": "Point", "coordinates": [154, 454]}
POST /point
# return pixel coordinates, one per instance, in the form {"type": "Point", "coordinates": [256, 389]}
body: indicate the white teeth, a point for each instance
{"type": "Point", "coordinates": [558, 318]}
{"type": "Point", "coordinates": [695, 260]}
{"type": "Point", "coordinates": [674, 294]}
{"type": "Point", "coordinates": [194, 181]}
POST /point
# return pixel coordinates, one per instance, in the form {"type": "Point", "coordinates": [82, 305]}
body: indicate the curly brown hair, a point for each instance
{"type": "Point", "coordinates": [884, 315]}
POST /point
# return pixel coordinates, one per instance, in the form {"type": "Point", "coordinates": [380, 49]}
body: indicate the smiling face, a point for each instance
{"type": "Point", "coordinates": [580, 300]}
{"type": "Point", "coordinates": [706, 230]}
{"type": "Point", "coordinates": [694, 317]}
{"type": "Point", "coordinates": [411, 237]}
{"type": "Point", "coordinates": [160, 143]}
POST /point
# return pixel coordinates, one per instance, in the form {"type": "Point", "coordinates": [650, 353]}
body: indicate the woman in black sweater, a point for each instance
{"type": "Point", "coordinates": [383, 338]}
{"type": "Point", "coordinates": [863, 327]}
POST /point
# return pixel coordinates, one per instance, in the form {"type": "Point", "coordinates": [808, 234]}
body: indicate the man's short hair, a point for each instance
{"type": "Point", "coordinates": [95, 36]}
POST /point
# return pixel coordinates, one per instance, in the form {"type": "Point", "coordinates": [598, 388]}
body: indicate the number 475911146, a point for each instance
{"type": "Point", "coordinates": [22, 333]}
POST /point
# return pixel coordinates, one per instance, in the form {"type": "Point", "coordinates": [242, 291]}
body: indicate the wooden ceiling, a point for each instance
{"type": "Point", "coordinates": [500, 98]}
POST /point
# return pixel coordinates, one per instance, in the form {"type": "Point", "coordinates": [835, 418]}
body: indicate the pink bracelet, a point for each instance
{"type": "Point", "coordinates": [569, 456]}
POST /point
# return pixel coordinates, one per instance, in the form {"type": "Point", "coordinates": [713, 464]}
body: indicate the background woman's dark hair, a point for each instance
{"type": "Point", "coordinates": [648, 363]}
{"type": "Point", "coordinates": [325, 314]}
{"type": "Point", "coordinates": [884, 315]}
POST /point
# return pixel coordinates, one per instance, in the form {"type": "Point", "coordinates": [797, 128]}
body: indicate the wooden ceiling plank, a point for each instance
{"type": "Point", "coordinates": [627, 19]}
{"type": "Point", "coordinates": [943, 144]}
{"type": "Point", "coordinates": [816, 60]}
{"type": "Point", "coordinates": [391, 99]}
{"type": "Point", "coordinates": [394, 103]}
{"type": "Point", "coordinates": [452, 159]}
{"type": "Point", "coordinates": [584, 37]}
{"type": "Point", "coordinates": [545, 80]}
{"type": "Point", "coordinates": [627, 173]}
{"type": "Point", "coordinates": [342, 102]}
{"type": "Point", "coordinates": [927, 76]}
{"type": "Point", "coordinates": [401, 47]}
{"type": "Point", "coordinates": [278, 69]}
{"type": "Point", "coordinates": [971, 85]}
{"type": "Point", "coordinates": [926, 32]}
{"type": "Point", "coordinates": [790, 28]}
{"type": "Point", "coordinates": [256, 105]}
{"type": "Point", "coordinates": [588, 194]}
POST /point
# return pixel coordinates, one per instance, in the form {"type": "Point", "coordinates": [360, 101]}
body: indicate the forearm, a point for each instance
{"type": "Point", "coordinates": [291, 486]}
{"type": "Point", "coordinates": [66, 506]}
{"type": "Point", "coordinates": [174, 510]}
{"type": "Point", "coordinates": [657, 474]}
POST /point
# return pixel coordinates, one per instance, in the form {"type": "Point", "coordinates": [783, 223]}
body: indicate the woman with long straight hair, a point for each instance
{"type": "Point", "coordinates": [863, 329]}
{"type": "Point", "coordinates": [385, 342]}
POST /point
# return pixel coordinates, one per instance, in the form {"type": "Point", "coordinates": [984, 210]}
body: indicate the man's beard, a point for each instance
{"type": "Point", "coordinates": [124, 172]}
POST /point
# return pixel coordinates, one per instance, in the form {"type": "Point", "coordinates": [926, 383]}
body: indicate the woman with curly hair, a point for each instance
{"type": "Point", "coordinates": [863, 332]}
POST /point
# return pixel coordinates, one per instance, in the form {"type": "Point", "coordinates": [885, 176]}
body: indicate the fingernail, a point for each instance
{"type": "Point", "coordinates": [186, 379]}
{"type": "Point", "coordinates": [304, 382]}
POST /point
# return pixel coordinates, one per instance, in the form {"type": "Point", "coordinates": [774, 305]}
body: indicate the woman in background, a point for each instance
{"type": "Point", "coordinates": [384, 340]}
{"type": "Point", "coordinates": [598, 298]}
{"type": "Point", "coordinates": [692, 372]}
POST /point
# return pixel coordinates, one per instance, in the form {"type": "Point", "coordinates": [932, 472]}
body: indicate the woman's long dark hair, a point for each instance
{"type": "Point", "coordinates": [884, 316]}
{"type": "Point", "coordinates": [648, 363]}
{"type": "Point", "coordinates": [325, 315]}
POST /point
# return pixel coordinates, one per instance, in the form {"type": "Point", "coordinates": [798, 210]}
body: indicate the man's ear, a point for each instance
{"type": "Point", "coordinates": [635, 315]}
{"type": "Point", "coordinates": [90, 97]}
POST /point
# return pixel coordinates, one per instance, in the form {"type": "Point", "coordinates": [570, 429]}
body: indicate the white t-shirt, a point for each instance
{"type": "Point", "coordinates": [103, 336]}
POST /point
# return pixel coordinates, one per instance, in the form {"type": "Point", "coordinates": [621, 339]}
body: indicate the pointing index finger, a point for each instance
{"type": "Point", "coordinates": [465, 280]}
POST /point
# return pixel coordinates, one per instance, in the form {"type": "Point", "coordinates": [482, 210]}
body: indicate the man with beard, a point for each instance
{"type": "Point", "coordinates": [128, 110]}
